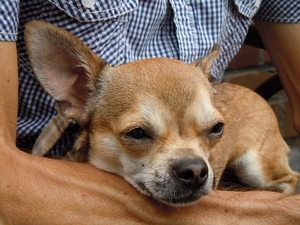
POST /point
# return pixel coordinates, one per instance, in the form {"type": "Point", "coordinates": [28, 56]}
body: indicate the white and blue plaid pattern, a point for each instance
{"type": "Point", "coordinates": [279, 11]}
{"type": "Point", "coordinates": [121, 31]}
{"type": "Point", "coordinates": [9, 11]}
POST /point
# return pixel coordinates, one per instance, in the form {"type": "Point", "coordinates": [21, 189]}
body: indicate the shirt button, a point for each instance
{"type": "Point", "coordinates": [88, 3]}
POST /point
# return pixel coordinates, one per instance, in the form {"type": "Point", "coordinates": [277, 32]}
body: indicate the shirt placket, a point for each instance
{"type": "Point", "coordinates": [185, 30]}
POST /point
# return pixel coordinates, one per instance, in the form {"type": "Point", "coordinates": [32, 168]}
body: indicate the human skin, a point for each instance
{"type": "Point", "coordinates": [36, 190]}
{"type": "Point", "coordinates": [45, 191]}
{"type": "Point", "coordinates": [282, 43]}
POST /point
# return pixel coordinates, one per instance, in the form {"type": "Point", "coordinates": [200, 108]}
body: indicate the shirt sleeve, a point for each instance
{"type": "Point", "coordinates": [247, 8]}
{"type": "Point", "coordinates": [9, 20]}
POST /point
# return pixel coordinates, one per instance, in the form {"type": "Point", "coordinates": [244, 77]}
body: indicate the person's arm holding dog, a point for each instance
{"type": "Point", "coordinates": [46, 191]}
{"type": "Point", "coordinates": [8, 107]}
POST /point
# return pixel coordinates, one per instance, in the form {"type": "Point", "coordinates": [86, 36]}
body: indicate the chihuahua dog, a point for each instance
{"type": "Point", "coordinates": [160, 123]}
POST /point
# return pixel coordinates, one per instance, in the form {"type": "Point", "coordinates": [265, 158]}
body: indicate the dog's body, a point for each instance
{"type": "Point", "coordinates": [257, 152]}
{"type": "Point", "coordinates": [159, 123]}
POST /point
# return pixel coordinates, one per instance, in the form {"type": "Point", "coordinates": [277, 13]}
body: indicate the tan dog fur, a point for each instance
{"type": "Point", "coordinates": [172, 106]}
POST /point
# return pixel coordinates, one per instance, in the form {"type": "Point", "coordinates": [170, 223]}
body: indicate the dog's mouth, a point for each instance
{"type": "Point", "coordinates": [185, 182]}
{"type": "Point", "coordinates": [183, 200]}
{"type": "Point", "coordinates": [171, 195]}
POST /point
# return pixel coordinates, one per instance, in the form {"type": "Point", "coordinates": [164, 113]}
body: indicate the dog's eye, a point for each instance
{"type": "Point", "coordinates": [217, 129]}
{"type": "Point", "coordinates": [137, 133]}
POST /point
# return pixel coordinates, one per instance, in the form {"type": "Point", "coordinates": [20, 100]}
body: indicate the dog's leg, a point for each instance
{"type": "Point", "coordinates": [266, 168]}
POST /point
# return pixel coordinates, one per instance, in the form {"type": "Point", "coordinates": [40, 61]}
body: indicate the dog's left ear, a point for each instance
{"type": "Point", "coordinates": [65, 67]}
{"type": "Point", "coordinates": [205, 63]}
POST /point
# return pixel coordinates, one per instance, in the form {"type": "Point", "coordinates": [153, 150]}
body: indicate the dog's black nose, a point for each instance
{"type": "Point", "coordinates": [192, 172]}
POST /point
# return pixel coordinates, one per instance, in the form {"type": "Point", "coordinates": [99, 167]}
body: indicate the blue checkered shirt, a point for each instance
{"type": "Point", "coordinates": [121, 31]}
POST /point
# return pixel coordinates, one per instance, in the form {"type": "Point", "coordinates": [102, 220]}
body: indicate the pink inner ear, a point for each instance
{"type": "Point", "coordinates": [68, 86]}
{"type": "Point", "coordinates": [65, 67]}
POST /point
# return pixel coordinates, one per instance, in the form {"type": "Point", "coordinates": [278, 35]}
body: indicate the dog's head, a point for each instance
{"type": "Point", "coordinates": [151, 121]}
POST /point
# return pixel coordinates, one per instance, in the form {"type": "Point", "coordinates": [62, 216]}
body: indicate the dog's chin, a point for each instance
{"type": "Point", "coordinates": [177, 198]}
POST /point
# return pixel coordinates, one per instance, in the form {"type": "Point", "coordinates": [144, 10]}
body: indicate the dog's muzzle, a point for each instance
{"type": "Point", "coordinates": [189, 180]}
{"type": "Point", "coordinates": [184, 181]}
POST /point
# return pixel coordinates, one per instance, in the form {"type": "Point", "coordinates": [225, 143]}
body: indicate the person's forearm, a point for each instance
{"type": "Point", "coordinates": [8, 111]}
{"type": "Point", "coordinates": [282, 42]}
{"type": "Point", "coordinates": [57, 192]}
{"type": "Point", "coordinates": [8, 91]}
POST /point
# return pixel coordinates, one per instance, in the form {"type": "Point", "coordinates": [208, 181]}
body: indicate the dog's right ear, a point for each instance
{"type": "Point", "coordinates": [65, 67]}
{"type": "Point", "coordinates": [205, 63]}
